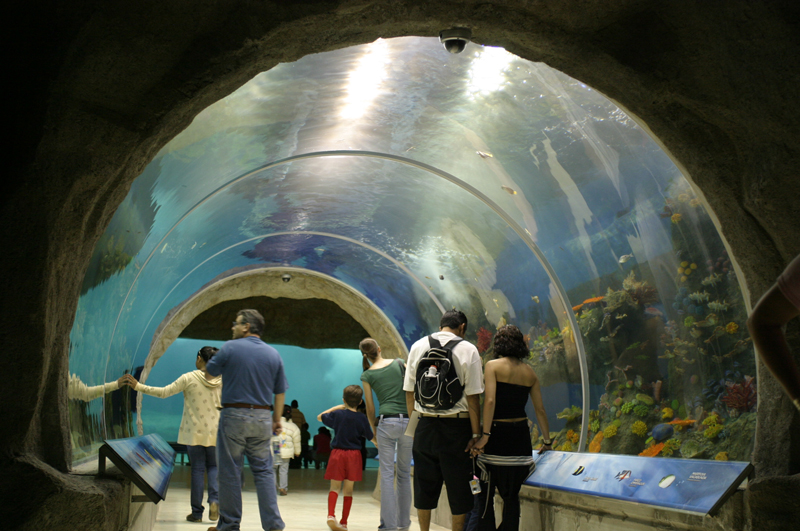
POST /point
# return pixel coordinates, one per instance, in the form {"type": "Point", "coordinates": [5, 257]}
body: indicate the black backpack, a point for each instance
{"type": "Point", "coordinates": [437, 385]}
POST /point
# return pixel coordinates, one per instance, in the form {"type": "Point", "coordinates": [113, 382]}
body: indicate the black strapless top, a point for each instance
{"type": "Point", "coordinates": [510, 401]}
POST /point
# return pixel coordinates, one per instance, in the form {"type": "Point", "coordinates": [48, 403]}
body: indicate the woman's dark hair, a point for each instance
{"type": "Point", "coordinates": [206, 353]}
{"type": "Point", "coordinates": [287, 412]}
{"type": "Point", "coordinates": [509, 342]}
{"type": "Point", "coordinates": [369, 351]}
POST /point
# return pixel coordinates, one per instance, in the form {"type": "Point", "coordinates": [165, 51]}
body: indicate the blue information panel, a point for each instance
{"type": "Point", "coordinates": [147, 460]}
{"type": "Point", "coordinates": [697, 486]}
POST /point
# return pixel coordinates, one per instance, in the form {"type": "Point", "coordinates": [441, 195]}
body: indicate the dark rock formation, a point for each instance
{"type": "Point", "coordinates": [98, 87]}
{"type": "Point", "coordinates": [308, 323]}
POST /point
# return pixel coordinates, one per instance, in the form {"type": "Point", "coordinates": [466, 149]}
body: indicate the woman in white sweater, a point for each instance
{"type": "Point", "coordinates": [286, 445]}
{"type": "Point", "coordinates": [198, 431]}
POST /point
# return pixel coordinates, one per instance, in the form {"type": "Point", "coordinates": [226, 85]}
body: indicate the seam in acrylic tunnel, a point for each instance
{"type": "Point", "coordinates": [284, 233]}
{"type": "Point", "coordinates": [521, 233]}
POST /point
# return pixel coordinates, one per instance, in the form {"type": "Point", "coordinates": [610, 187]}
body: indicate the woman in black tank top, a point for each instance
{"type": "Point", "coordinates": [504, 452]}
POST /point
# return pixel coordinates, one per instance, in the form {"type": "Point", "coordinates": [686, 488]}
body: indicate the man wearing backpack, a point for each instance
{"type": "Point", "coordinates": [443, 383]}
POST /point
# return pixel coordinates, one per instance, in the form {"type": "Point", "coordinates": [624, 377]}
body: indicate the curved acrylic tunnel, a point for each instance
{"type": "Point", "coordinates": [421, 181]}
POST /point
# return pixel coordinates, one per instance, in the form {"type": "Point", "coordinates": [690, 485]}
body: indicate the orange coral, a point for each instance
{"type": "Point", "coordinates": [653, 450]}
{"type": "Point", "coordinates": [572, 436]}
{"type": "Point", "coordinates": [593, 300]}
{"type": "Point", "coordinates": [594, 446]}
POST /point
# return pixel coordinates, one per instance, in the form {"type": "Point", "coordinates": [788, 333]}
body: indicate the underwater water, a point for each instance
{"type": "Point", "coordinates": [425, 181]}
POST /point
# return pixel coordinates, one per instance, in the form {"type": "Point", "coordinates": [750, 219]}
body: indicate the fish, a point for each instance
{"type": "Point", "coordinates": [484, 155]}
{"type": "Point", "coordinates": [622, 212]}
{"type": "Point", "coordinates": [428, 277]}
{"type": "Point", "coordinates": [718, 306]}
{"type": "Point", "coordinates": [508, 189]}
{"type": "Point", "coordinates": [593, 300]}
{"type": "Point", "coordinates": [653, 311]}
{"type": "Point", "coordinates": [195, 245]}
{"type": "Point", "coordinates": [698, 296]}
{"type": "Point", "coordinates": [624, 258]}
{"type": "Point", "coordinates": [576, 308]}
{"type": "Point", "coordinates": [441, 277]}
{"type": "Point", "coordinates": [495, 303]}
{"type": "Point", "coordinates": [535, 299]}
{"type": "Point", "coordinates": [712, 279]}
{"type": "Point", "coordinates": [165, 246]}
{"type": "Point", "coordinates": [409, 149]}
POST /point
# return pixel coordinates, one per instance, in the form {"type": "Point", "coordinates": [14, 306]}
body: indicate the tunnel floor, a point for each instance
{"type": "Point", "coordinates": [304, 509]}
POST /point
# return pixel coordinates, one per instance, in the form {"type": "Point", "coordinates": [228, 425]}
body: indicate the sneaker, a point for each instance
{"type": "Point", "coordinates": [192, 518]}
{"type": "Point", "coordinates": [213, 511]}
{"type": "Point", "coordinates": [334, 525]}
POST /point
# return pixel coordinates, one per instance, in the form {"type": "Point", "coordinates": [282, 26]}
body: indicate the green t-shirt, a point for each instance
{"type": "Point", "coordinates": [387, 382]}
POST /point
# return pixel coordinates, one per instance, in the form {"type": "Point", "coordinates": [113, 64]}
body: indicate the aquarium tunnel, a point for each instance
{"type": "Point", "coordinates": [391, 181]}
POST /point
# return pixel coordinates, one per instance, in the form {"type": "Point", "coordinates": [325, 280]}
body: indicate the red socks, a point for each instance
{"type": "Point", "coordinates": [348, 501]}
{"type": "Point", "coordinates": [332, 497]}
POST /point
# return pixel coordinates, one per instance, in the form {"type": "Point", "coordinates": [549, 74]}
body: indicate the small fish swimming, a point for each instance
{"type": "Point", "coordinates": [535, 299]}
{"type": "Point", "coordinates": [624, 258]}
{"type": "Point", "coordinates": [653, 311]}
{"type": "Point", "coordinates": [698, 296]}
{"type": "Point", "coordinates": [712, 279]}
{"type": "Point", "coordinates": [484, 155]}
{"type": "Point", "coordinates": [508, 189]}
{"type": "Point", "coordinates": [195, 245]}
{"type": "Point", "coordinates": [165, 246]}
{"type": "Point", "coordinates": [441, 277]}
{"type": "Point", "coordinates": [718, 306]}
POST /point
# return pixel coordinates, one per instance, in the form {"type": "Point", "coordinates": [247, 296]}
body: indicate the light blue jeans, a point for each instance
{"type": "Point", "coordinates": [282, 471]}
{"type": "Point", "coordinates": [395, 501]}
{"type": "Point", "coordinates": [203, 459]}
{"type": "Point", "coordinates": [246, 432]}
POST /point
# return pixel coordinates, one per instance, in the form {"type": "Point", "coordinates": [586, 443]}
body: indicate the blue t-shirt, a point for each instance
{"type": "Point", "coordinates": [252, 371]}
{"type": "Point", "coordinates": [349, 426]}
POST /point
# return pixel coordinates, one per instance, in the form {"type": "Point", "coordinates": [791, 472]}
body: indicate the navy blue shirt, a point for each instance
{"type": "Point", "coordinates": [349, 426]}
{"type": "Point", "coordinates": [252, 371]}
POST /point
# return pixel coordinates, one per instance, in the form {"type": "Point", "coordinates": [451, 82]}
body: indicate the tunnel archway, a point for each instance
{"type": "Point", "coordinates": [713, 96]}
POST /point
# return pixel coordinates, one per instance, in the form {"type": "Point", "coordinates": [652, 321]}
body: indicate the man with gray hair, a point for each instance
{"type": "Point", "coordinates": [253, 394]}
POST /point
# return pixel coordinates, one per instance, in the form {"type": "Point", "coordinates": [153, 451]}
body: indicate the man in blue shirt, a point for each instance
{"type": "Point", "coordinates": [253, 387]}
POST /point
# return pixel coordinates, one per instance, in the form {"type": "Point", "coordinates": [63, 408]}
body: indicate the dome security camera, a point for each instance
{"type": "Point", "coordinates": [455, 40]}
{"type": "Point", "coordinates": [286, 277]}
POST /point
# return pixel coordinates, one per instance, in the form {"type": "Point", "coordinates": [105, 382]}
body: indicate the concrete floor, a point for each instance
{"type": "Point", "coordinates": [304, 509]}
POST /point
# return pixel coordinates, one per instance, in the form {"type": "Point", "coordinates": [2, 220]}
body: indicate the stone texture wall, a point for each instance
{"type": "Point", "coordinates": [97, 88]}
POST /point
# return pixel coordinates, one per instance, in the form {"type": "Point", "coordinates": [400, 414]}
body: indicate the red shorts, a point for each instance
{"type": "Point", "coordinates": [344, 465]}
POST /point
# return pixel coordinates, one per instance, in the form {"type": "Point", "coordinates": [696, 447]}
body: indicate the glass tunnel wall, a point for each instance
{"type": "Point", "coordinates": [425, 180]}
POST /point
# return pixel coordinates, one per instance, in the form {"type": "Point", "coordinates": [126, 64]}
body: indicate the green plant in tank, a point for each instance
{"type": "Point", "coordinates": [595, 426]}
{"type": "Point", "coordinates": [641, 410]}
{"type": "Point", "coordinates": [639, 428]}
{"type": "Point", "coordinates": [670, 446]}
{"type": "Point", "coordinates": [610, 431]}
{"type": "Point", "coordinates": [627, 407]}
{"type": "Point", "coordinates": [570, 413]}
{"type": "Point", "coordinates": [566, 447]}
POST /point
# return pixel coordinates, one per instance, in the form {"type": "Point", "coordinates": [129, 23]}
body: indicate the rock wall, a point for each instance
{"type": "Point", "coordinates": [97, 88]}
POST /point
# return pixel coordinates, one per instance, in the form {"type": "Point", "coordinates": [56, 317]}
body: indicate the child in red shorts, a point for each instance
{"type": "Point", "coordinates": [345, 461]}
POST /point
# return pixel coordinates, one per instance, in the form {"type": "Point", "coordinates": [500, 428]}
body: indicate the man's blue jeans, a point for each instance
{"type": "Point", "coordinates": [203, 459]}
{"type": "Point", "coordinates": [395, 503]}
{"type": "Point", "coordinates": [246, 432]}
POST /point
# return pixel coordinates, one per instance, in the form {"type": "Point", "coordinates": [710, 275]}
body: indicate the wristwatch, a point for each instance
{"type": "Point", "coordinates": [547, 442]}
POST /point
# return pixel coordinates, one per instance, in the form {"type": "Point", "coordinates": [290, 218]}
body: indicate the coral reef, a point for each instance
{"type": "Point", "coordinates": [627, 407]}
{"type": "Point", "coordinates": [641, 410]}
{"type": "Point", "coordinates": [667, 413]}
{"type": "Point", "coordinates": [741, 396]}
{"type": "Point", "coordinates": [644, 399]}
{"type": "Point", "coordinates": [653, 450]}
{"type": "Point", "coordinates": [639, 428]}
{"type": "Point", "coordinates": [484, 340]}
{"type": "Point", "coordinates": [594, 446]}
{"type": "Point", "coordinates": [721, 456]}
{"type": "Point", "coordinates": [566, 447]}
{"type": "Point", "coordinates": [610, 431]}
{"type": "Point", "coordinates": [670, 446]}
{"type": "Point", "coordinates": [570, 413]}
{"type": "Point", "coordinates": [572, 436]}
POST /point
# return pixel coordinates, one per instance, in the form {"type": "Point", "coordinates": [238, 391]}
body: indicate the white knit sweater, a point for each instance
{"type": "Point", "coordinates": [201, 403]}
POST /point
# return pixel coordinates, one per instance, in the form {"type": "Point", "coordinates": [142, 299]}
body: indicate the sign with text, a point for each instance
{"type": "Point", "coordinates": [696, 486]}
{"type": "Point", "coordinates": [146, 460]}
